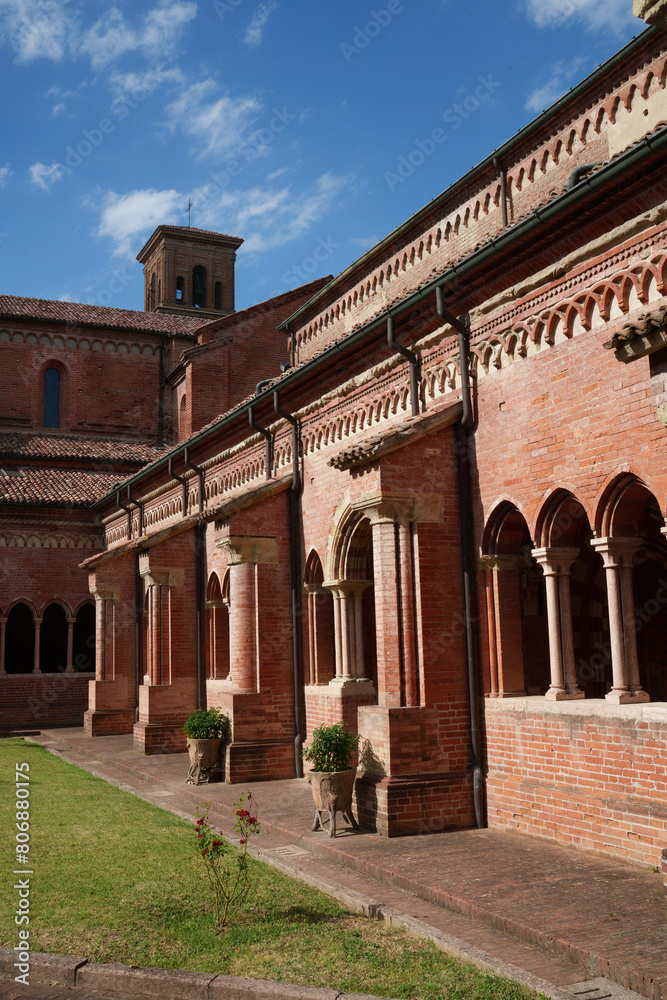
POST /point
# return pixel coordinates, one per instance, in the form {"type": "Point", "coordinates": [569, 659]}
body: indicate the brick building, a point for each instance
{"type": "Point", "coordinates": [427, 496]}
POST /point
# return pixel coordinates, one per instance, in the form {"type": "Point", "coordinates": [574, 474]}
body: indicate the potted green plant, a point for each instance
{"type": "Point", "coordinates": [332, 775]}
{"type": "Point", "coordinates": [206, 730]}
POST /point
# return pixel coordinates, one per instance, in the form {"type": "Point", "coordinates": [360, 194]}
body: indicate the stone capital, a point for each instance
{"type": "Point", "coordinates": [651, 11]}
{"type": "Point", "coordinates": [253, 549]}
{"type": "Point", "coordinates": [616, 551]}
{"type": "Point", "coordinates": [163, 576]}
{"type": "Point", "coordinates": [101, 593]}
{"type": "Point", "coordinates": [555, 559]}
{"type": "Point", "coordinates": [347, 588]}
{"type": "Point", "coordinates": [387, 507]}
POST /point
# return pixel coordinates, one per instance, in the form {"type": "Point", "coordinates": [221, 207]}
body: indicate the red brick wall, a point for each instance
{"type": "Point", "coordinates": [43, 699]}
{"type": "Point", "coordinates": [587, 774]}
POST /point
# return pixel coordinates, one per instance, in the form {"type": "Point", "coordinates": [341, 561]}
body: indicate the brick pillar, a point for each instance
{"type": "Point", "coordinates": [71, 622]}
{"type": "Point", "coordinates": [159, 583]}
{"type": "Point", "coordinates": [618, 555]}
{"type": "Point", "coordinates": [112, 695]}
{"type": "Point", "coordinates": [3, 625]}
{"type": "Point", "coordinates": [557, 563]}
{"type": "Point", "coordinates": [36, 668]}
{"type": "Point", "coordinates": [105, 598]}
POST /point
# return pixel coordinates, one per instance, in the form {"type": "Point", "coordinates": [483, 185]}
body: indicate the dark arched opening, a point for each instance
{"type": "Point", "coordinates": [218, 295]}
{"type": "Point", "coordinates": [180, 291]}
{"type": "Point", "coordinates": [319, 637]}
{"type": "Point", "coordinates": [51, 397]}
{"type": "Point", "coordinates": [20, 640]}
{"type": "Point", "coordinates": [199, 287]}
{"type": "Point", "coordinates": [83, 650]}
{"type": "Point", "coordinates": [53, 640]}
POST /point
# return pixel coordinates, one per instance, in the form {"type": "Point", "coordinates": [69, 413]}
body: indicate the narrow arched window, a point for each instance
{"type": "Point", "coordinates": [152, 293]}
{"type": "Point", "coordinates": [51, 397]}
{"type": "Point", "coordinates": [199, 287]}
{"type": "Point", "coordinates": [180, 289]}
{"type": "Point", "coordinates": [218, 295]}
{"type": "Point", "coordinates": [159, 291]}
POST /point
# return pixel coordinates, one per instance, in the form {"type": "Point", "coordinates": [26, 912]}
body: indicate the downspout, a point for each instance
{"type": "Point", "coordinates": [184, 484]}
{"type": "Point", "coordinates": [463, 429]}
{"type": "Point", "coordinates": [138, 506]}
{"type": "Point", "coordinates": [503, 189]}
{"type": "Point", "coordinates": [128, 511]}
{"type": "Point", "coordinates": [295, 582]}
{"type": "Point", "coordinates": [578, 173]}
{"type": "Point", "coordinates": [200, 544]}
{"type": "Point", "coordinates": [138, 632]}
{"type": "Point", "coordinates": [266, 434]}
{"type": "Point", "coordinates": [414, 364]}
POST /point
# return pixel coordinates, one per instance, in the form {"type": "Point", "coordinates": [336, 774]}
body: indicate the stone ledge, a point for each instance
{"type": "Point", "coordinates": [651, 712]}
{"type": "Point", "coordinates": [170, 984]}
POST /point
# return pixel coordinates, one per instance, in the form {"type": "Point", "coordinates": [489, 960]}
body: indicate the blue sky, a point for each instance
{"type": "Point", "coordinates": [283, 122]}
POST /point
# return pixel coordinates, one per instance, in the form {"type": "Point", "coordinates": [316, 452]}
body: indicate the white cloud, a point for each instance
{"type": "Point", "coordinates": [143, 84]}
{"type": "Point", "coordinates": [125, 219]}
{"type": "Point", "coordinates": [65, 297]}
{"type": "Point", "coordinates": [268, 217]}
{"type": "Point", "coordinates": [45, 177]}
{"type": "Point", "coordinates": [615, 14]}
{"type": "Point", "coordinates": [561, 75]}
{"type": "Point", "coordinates": [254, 33]}
{"type": "Point", "coordinates": [111, 37]}
{"type": "Point", "coordinates": [219, 126]}
{"type": "Point", "coordinates": [58, 109]}
{"type": "Point", "coordinates": [5, 174]}
{"type": "Point", "coordinates": [363, 242]}
{"type": "Point", "coordinates": [35, 31]}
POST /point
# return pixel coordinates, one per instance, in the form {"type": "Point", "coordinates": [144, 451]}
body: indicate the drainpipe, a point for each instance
{"type": "Point", "coordinates": [128, 511]}
{"type": "Point", "coordinates": [138, 632]}
{"type": "Point", "coordinates": [265, 433]}
{"type": "Point", "coordinates": [295, 582]}
{"type": "Point", "coordinates": [463, 430]}
{"type": "Point", "coordinates": [200, 546]}
{"type": "Point", "coordinates": [184, 484]}
{"type": "Point", "coordinates": [262, 382]}
{"type": "Point", "coordinates": [137, 506]}
{"type": "Point", "coordinates": [160, 403]}
{"type": "Point", "coordinates": [503, 189]}
{"type": "Point", "coordinates": [414, 364]}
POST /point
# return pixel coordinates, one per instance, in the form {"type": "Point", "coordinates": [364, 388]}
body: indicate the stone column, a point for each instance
{"type": "Point", "coordinates": [105, 598]}
{"type": "Point", "coordinates": [391, 516]}
{"type": "Point", "coordinates": [3, 625]}
{"type": "Point", "coordinates": [71, 622]}
{"type": "Point", "coordinates": [348, 628]}
{"type": "Point", "coordinates": [557, 563]}
{"type": "Point", "coordinates": [504, 624]}
{"type": "Point", "coordinates": [618, 555]}
{"type": "Point", "coordinates": [36, 668]}
{"type": "Point", "coordinates": [215, 610]}
{"type": "Point", "coordinates": [160, 582]}
{"type": "Point", "coordinates": [491, 631]}
{"type": "Point", "coordinates": [245, 554]}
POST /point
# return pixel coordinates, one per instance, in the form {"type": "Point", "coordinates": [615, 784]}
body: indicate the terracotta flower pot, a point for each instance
{"type": "Point", "coordinates": [332, 793]}
{"type": "Point", "coordinates": [204, 761]}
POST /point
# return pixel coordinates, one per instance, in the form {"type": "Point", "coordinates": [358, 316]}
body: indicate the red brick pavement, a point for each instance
{"type": "Point", "coordinates": [556, 912]}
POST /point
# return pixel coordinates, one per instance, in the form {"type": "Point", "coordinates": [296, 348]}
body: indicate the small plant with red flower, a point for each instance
{"type": "Point", "coordinates": [227, 867]}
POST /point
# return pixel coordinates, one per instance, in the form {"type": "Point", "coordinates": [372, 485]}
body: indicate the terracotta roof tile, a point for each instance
{"type": "Point", "coordinates": [56, 487]}
{"type": "Point", "coordinates": [80, 314]}
{"type": "Point", "coordinates": [24, 445]}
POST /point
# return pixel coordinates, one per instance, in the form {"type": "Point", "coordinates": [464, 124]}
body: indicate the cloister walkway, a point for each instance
{"type": "Point", "coordinates": [549, 915]}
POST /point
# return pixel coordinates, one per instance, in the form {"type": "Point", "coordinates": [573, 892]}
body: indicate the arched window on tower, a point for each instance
{"type": "Point", "coordinates": [51, 398]}
{"type": "Point", "coordinates": [218, 295]}
{"type": "Point", "coordinates": [199, 287]}
{"type": "Point", "coordinates": [159, 291]}
{"type": "Point", "coordinates": [152, 293]}
{"type": "Point", "coordinates": [180, 292]}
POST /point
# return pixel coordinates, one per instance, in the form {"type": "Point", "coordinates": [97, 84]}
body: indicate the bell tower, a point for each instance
{"type": "Point", "coordinates": [189, 271]}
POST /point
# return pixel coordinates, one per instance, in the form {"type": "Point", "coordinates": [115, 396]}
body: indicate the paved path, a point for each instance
{"type": "Point", "coordinates": [549, 915]}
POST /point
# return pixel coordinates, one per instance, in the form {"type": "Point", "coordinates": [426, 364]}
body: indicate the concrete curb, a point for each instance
{"type": "Point", "coordinates": [170, 984]}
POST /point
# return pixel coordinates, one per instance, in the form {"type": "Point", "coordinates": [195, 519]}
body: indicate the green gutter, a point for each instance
{"type": "Point", "coordinates": [523, 133]}
{"type": "Point", "coordinates": [596, 182]}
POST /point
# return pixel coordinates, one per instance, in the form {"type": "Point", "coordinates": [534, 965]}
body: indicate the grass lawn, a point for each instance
{"type": "Point", "coordinates": [117, 880]}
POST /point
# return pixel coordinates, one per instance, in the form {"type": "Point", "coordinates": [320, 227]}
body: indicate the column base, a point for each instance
{"type": "Point", "coordinates": [556, 694]}
{"type": "Point", "coordinates": [338, 700]}
{"type": "Point", "coordinates": [156, 737]}
{"type": "Point", "coordinates": [627, 697]}
{"type": "Point", "coordinates": [509, 694]}
{"type": "Point", "coordinates": [118, 722]}
{"type": "Point", "coordinates": [416, 804]}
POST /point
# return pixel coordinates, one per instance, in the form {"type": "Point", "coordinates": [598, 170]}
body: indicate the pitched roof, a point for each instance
{"type": "Point", "coordinates": [81, 314]}
{"type": "Point", "coordinates": [15, 444]}
{"type": "Point", "coordinates": [56, 487]}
